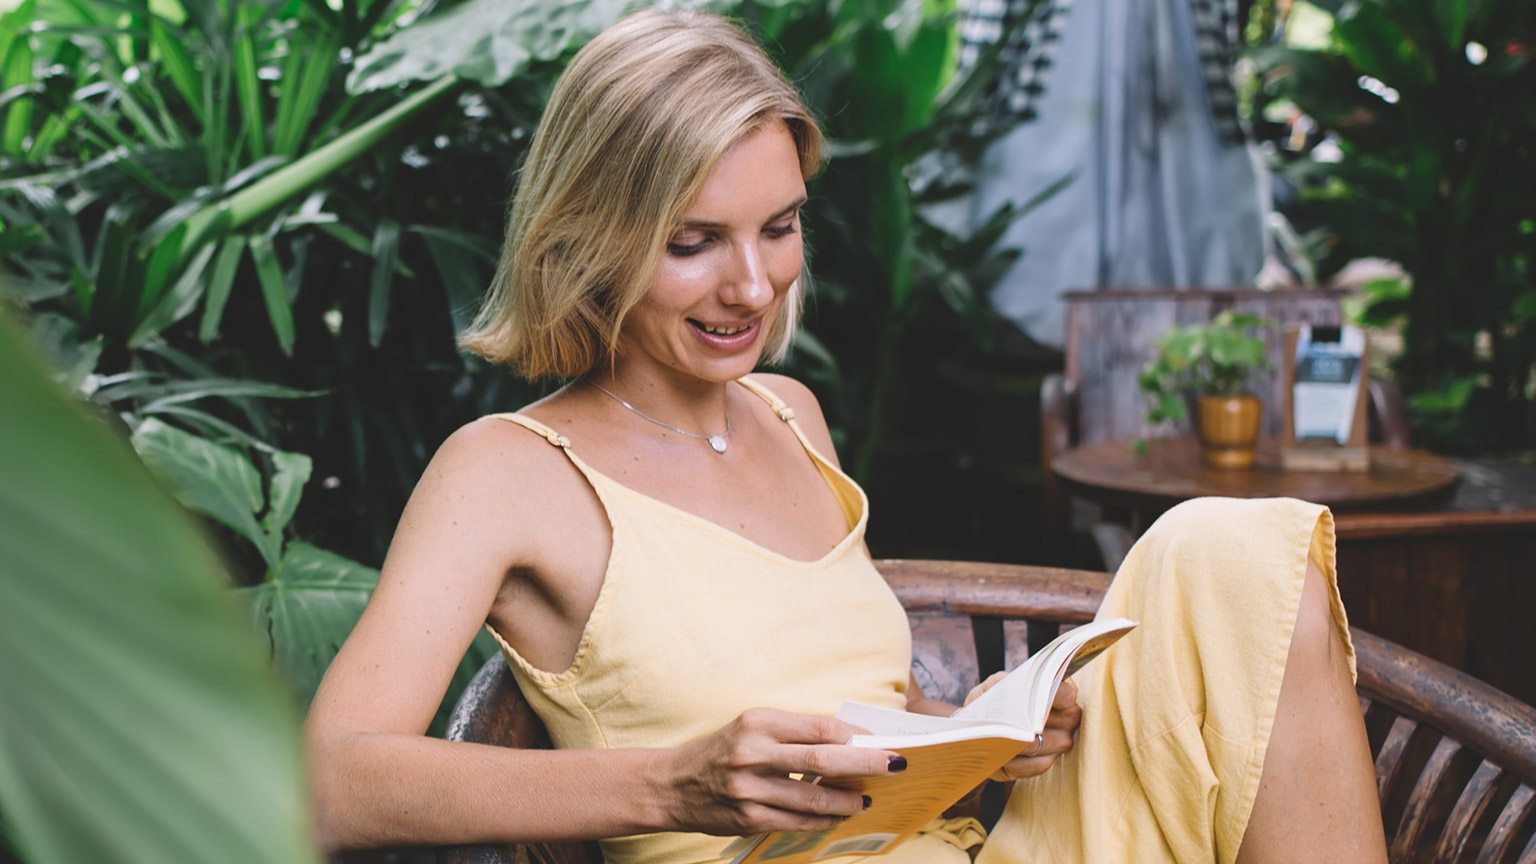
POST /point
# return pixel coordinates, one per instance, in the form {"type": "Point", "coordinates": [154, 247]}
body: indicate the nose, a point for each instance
{"type": "Point", "coordinates": [748, 285]}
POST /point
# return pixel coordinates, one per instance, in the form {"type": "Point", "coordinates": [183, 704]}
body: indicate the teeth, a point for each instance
{"type": "Point", "coordinates": [722, 331]}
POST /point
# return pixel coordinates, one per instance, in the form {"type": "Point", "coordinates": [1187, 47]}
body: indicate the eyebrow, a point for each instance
{"type": "Point", "coordinates": [795, 205]}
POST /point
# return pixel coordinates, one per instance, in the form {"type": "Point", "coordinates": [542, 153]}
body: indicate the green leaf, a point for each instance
{"type": "Point", "coordinates": [177, 303]}
{"type": "Point", "coordinates": [488, 41]}
{"type": "Point", "coordinates": [285, 489]}
{"type": "Point", "coordinates": [178, 65]}
{"type": "Point", "coordinates": [137, 724]}
{"type": "Point", "coordinates": [17, 72]}
{"type": "Point", "coordinates": [219, 286]}
{"type": "Point", "coordinates": [386, 251]}
{"type": "Point", "coordinates": [217, 481]}
{"type": "Point", "coordinates": [1377, 46]}
{"type": "Point", "coordinates": [302, 94]}
{"type": "Point", "coordinates": [302, 174]}
{"type": "Point", "coordinates": [248, 84]}
{"type": "Point", "coordinates": [306, 609]}
{"type": "Point", "coordinates": [274, 291]}
{"type": "Point", "coordinates": [458, 256]}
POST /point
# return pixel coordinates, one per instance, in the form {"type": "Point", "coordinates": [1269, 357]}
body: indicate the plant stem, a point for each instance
{"type": "Point", "coordinates": [292, 179]}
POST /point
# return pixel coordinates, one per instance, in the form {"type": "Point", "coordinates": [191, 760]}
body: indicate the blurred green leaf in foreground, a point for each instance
{"type": "Point", "coordinates": [138, 721]}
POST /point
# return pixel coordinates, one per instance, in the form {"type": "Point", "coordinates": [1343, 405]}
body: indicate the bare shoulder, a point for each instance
{"type": "Point", "coordinates": [498, 482]}
{"type": "Point", "coordinates": [807, 410]}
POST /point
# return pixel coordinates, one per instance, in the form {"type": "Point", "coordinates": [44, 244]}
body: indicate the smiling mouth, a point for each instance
{"type": "Point", "coordinates": [715, 330]}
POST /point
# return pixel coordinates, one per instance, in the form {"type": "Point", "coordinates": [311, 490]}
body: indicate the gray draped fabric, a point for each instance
{"type": "Point", "coordinates": [1159, 199]}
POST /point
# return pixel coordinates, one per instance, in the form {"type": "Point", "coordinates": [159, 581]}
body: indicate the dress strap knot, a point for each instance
{"type": "Point", "coordinates": [532, 425]}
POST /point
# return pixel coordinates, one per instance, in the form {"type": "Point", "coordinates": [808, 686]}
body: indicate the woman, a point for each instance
{"type": "Point", "coordinates": [675, 569]}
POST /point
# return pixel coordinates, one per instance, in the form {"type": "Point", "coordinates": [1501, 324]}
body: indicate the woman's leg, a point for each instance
{"type": "Point", "coordinates": [1317, 794]}
{"type": "Point", "coordinates": [1226, 723]}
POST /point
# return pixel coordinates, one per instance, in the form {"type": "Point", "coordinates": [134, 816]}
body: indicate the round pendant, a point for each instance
{"type": "Point", "coordinates": [717, 442]}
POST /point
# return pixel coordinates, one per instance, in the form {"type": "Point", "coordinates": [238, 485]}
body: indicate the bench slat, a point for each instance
{"type": "Point", "coordinates": [1502, 835]}
{"type": "Point", "coordinates": [1416, 814]}
{"type": "Point", "coordinates": [1390, 759]}
{"type": "Point", "coordinates": [1469, 808]}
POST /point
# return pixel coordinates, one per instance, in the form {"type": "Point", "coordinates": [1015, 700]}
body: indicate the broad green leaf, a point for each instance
{"type": "Point", "coordinates": [306, 609]}
{"type": "Point", "coordinates": [286, 487]}
{"type": "Point", "coordinates": [386, 251]}
{"type": "Point", "coordinates": [274, 291]}
{"type": "Point", "coordinates": [137, 723]}
{"type": "Point", "coordinates": [488, 41]}
{"type": "Point", "coordinates": [210, 478]}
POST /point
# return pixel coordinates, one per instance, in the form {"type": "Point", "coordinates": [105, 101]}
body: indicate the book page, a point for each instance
{"type": "Point", "coordinates": [1023, 698]}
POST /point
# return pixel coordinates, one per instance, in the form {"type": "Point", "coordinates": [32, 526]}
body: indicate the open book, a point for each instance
{"type": "Point", "coordinates": [947, 757]}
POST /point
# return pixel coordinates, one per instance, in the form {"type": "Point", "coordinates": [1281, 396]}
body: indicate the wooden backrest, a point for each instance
{"type": "Point", "coordinates": [1455, 759]}
{"type": "Point", "coordinates": [1109, 341]}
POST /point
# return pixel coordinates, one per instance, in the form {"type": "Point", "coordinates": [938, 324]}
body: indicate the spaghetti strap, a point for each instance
{"type": "Point", "coordinates": [537, 428]}
{"type": "Point", "coordinates": [786, 413]}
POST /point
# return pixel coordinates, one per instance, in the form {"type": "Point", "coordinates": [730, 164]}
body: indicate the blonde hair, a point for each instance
{"type": "Point", "coordinates": [632, 129]}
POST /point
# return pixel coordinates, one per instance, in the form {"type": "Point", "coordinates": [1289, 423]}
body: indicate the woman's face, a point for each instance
{"type": "Point", "coordinates": [726, 270]}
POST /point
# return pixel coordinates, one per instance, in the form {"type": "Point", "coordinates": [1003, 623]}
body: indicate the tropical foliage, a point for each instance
{"type": "Point", "coordinates": [1432, 106]}
{"type": "Point", "coordinates": [246, 233]}
{"type": "Point", "coordinates": [138, 721]}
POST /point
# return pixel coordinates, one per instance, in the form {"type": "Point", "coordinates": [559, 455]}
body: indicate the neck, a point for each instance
{"type": "Point", "coordinates": [684, 402]}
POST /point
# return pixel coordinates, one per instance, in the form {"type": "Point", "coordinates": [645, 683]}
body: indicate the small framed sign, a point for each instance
{"type": "Point", "coordinates": [1325, 399]}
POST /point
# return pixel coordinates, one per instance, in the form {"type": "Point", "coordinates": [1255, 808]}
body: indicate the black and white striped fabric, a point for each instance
{"type": "Point", "coordinates": [1025, 64]}
{"type": "Point", "coordinates": [1217, 41]}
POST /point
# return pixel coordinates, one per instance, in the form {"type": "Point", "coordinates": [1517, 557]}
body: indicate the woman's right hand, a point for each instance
{"type": "Point", "coordinates": [736, 780]}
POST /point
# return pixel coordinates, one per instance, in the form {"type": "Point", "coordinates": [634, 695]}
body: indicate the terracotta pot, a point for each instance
{"type": "Point", "coordinates": [1229, 430]}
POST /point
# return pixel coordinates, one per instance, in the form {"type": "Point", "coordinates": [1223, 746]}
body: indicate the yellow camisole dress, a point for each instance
{"type": "Point", "coordinates": [695, 624]}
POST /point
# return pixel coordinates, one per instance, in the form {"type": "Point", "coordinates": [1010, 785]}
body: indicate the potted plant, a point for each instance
{"type": "Point", "coordinates": [1214, 363]}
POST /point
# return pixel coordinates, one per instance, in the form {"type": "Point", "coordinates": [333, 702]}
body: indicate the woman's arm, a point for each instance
{"type": "Point", "coordinates": [496, 501]}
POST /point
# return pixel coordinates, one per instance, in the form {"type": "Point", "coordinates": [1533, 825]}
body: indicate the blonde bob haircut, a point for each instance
{"type": "Point", "coordinates": [633, 127]}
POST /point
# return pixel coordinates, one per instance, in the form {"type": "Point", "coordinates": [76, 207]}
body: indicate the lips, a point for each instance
{"type": "Point", "coordinates": [723, 335]}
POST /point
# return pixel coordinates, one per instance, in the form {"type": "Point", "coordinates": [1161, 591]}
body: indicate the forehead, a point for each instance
{"type": "Point", "coordinates": [757, 176]}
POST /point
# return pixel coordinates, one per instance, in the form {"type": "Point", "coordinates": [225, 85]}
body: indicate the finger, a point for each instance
{"type": "Point", "coordinates": [792, 728]}
{"type": "Point", "coordinates": [833, 760]}
{"type": "Point", "coordinates": [1066, 697]}
{"type": "Point", "coordinates": [984, 686]}
{"type": "Point", "coordinates": [759, 818]}
{"type": "Point", "coordinates": [794, 796]}
{"type": "Point", "coordinates": [1056, 742]}
{"type": "Point", "coordinates": [1023, 767]}
{"type": "Point", "coordinates": [1065, 718]}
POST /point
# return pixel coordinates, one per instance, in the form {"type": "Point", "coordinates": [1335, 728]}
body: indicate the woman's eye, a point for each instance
{"type": "Point", "coordinates": [783, 230]}
{"type": "Point", "coordinates": [683, 249]}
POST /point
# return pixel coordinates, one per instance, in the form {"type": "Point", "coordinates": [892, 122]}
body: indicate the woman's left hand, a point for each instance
{"type": "Point", "coordinates": [1060, 727]}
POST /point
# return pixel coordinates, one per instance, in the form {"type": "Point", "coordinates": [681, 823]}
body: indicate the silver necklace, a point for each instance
{"type": "Point", "coordinates": [716, 442]}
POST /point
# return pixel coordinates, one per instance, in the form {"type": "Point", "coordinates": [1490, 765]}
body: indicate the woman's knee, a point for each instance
{"type": "Point", "coordinates": [1315, 640]}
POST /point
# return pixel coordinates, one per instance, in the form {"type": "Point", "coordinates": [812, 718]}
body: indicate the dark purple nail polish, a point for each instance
{"type": "Point", "coordinates": [868, 801]}
{"type": "Point", "coordinates": [896, 764]}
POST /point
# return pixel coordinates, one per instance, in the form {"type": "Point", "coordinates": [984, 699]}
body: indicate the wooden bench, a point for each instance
{"type": "Point", "coordinates": [1455, 759]}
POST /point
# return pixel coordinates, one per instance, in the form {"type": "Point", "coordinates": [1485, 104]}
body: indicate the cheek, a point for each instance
{"type": "Point", "coordinates": [785, 264]}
